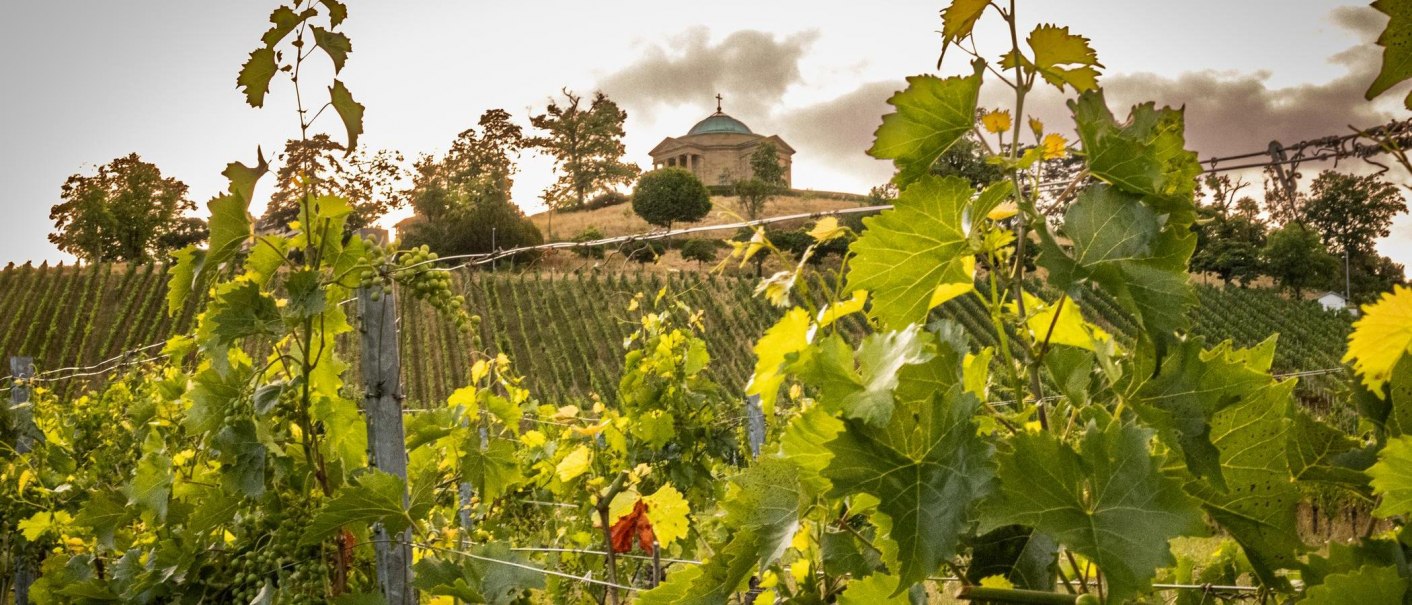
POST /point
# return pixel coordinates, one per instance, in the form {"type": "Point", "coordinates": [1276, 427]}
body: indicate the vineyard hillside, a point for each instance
{"type": "Point", "coordinates": [565, 332]}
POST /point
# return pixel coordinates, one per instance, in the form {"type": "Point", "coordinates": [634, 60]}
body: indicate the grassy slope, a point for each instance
{"type": "Point", "coordinates": [565, 331]}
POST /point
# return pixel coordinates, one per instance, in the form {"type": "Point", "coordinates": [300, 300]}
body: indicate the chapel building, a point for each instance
{"type": "Point", "coordinates": [717, 150]}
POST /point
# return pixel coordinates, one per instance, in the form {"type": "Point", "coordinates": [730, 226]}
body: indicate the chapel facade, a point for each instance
{"type": "Point", "coordinates": [717, 150]}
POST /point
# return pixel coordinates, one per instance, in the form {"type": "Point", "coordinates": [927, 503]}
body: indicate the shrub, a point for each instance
{"type": "Point", "coordinates": [700, 250]}
{"type": "Point", "coordinates": [643, 251]}
{"type": "Point", "coordinates": [670, 195]}
{"type": "Point", "coordinates": [606, 199]}
{"type": "Point", "coordinates": [588, 235]}
{"type": "Point", "coordinates": [473, 230]}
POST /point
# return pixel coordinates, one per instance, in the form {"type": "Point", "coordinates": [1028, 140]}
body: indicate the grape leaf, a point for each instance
{"type": "Point", "coordinates": [1145, 155]}
{"type": "Point", "coordinates": [1025, 557]}
{"type": "Point", "coordinates": [230, 228]}
{"type": "Point", "coordinates": [927, 467]}
{"type": "Point", "coordinates": [1118, 244]}
{"type": "Point", "coordinates": [634, 525]}
{"type": "Point", "coordinates": [1319, 452]}
{"type": "Point", "coordinates": [1108, 502]}
{"type": "Point", "coordinates": [1259, 502]}
{"type": "Point", "coordinates": [492, 470]}
{"type": "Point", "coordinates": [1381, 337]}
{"type": "Point", "coordinates": [255, 76]}
{"type": "Point", "coordinates": [335, 44]}
{"type": "Point", "coordinates": [239, 310]}
{"type": "Point", "coordinates": [242, 458]}
{"type": "Point", "coordinates": [917, 255]}
{"type": "Point", "coordinates": [763, 506]}
{"type": "Point", "coordinates": [102, 513]}
{"type": "Point", "coordinates": [788, 335]}
{"type": "Point", "coordinates": [932, 114]}
{"type": "Point", "coordinates": [482, 576]}
{"type": "Point", "coordinates": [876, 589]}
{"type": "Point", "coordinates": [865, 393]}
{"type": "Point", "coordinates": [349, 110]}
{"type": "Point", "coordinates": [181, 278]}
{"type": "Point", "coordinates": [284, 20]}
{"type": "Point", "coordinates": [1060, 58]}
{"type": "Point", "coordinates": [802, 444]}
{"type": "Point", "coordinates": [1368, 585]}
{"type": "Point", "coordinates": [1392, 478]}
{"type": "Point", "coordinates": [1396, 41]}
{"type": "Point", "coordinates": [151, 484]}
{"type": "Point", "coordinates": [1191, 388]}
{"type": "Point", "coordinates": [959, 18]}
{"type": "Point", "coordinates": [337, 11]}
{"type": "Point", "coordinates": [376, 497]}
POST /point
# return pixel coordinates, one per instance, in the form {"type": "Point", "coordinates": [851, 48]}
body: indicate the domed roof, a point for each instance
{"type": "Point", "coordinates": [719, 123]}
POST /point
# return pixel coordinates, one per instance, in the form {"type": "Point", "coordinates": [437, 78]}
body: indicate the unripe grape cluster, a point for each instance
{"type": "Point", "coordinates": [415, 271]}
{"type": "Point", "coordinates": [275, 557]}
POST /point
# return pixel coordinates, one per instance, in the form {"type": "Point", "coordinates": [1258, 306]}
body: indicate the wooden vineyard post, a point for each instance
{"type": "Point", "coordinates": [754, 425]}
{"type": "Point", "coordinates": [21, 371]}
{"type": "Point", "coordinates": [387, 450]}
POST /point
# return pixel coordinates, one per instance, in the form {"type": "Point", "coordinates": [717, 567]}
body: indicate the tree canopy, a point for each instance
{"type": "Point", "coordinates": [767, 179]}
{"type": "Point", "coordinates": [462, 200]}
{"type": "Point", "coordinates": [670, 195]}
{"type": "Point", "coordinates": [587, 145]}
{"type": "Point", "coordinates": [127, 211]}
{"type": "Point", "coordinates": [1298, 260]}
{"type": "Point", "coordinates": [371, 182]}
{"type": "Point", "coordinates": [1351, 212]}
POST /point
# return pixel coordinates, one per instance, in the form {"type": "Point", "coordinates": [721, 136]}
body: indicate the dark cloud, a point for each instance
{"type": "Point", "coordinates": [839, 131]}
{"type": "Point", "coordinates": [1362, 20]}
{"type": "Point", "coordinates": [752, 69]}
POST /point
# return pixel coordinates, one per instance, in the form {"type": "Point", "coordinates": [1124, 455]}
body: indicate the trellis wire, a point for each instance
{"type": "Point", "coordinates": [1336, 146]}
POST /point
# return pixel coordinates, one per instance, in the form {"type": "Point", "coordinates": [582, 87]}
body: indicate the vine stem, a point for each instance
{"type": "Point", "coordinates": [605, 500]}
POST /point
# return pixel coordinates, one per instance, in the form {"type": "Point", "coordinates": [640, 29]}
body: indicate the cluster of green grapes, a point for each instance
{"type": "Point", "coordinates": [275, 558]}
{"type": "Point", "coordinates": [415, 272]}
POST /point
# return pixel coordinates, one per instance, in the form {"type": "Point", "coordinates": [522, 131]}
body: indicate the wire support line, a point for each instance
{"type": "Point", "coordinates": [1332, 147]}
{"type": "Point", "coordinates": [550, 572]}
{"type": "Point", "coordinates": [581, 551]}
{"type": "Point", "coordinates": [1155, 586]}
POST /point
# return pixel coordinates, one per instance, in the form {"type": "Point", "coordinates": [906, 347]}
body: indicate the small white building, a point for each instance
{"type": "Point", "coordinates": [1332, 301]}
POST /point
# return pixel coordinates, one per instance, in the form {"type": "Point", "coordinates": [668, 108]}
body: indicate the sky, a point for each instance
{"type": "Point", "coordinates": [86, 81]}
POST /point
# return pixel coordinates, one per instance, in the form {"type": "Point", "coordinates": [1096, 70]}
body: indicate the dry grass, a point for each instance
{"type": "Point", "coordinates": [620, 220]}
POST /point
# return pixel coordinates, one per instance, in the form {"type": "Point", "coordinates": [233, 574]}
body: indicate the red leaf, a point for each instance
{"type": "Point", "coordinates": [634, 524]}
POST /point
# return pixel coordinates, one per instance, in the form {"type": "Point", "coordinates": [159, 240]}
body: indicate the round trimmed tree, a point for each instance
{"type": "Point", "coordinates": [670, 195]}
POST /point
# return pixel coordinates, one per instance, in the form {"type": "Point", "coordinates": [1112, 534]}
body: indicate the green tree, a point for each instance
{"type": "Point", "coordinates": [766, 181]}
{"type": "Point", "coordinates": [1298, 260]}
{"type": "Point", "coordinates": [127, 211]}
{"type": "Point", "coordinates": [370, 182]}
{"type": "Point", "coordinates": [587, 145]}
{"type": "Point", "coordinates": [966, 159]}
{"type": "Point", "coordinates": [700, 250]}
{"type": "Point", "coordinates": [462, 200]}
{"type": "Point", "coordinates": [1229, 240]}
{"type": "Point", "coordinates": [1351, 212]}
{"type": "Point", "coordinates": [670, 195]}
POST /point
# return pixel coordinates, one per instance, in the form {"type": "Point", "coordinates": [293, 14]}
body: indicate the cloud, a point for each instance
{"type": "Point", "coordinates": [752, 69]}
{"type": "Point", "coordinates": [1365, 21]}
{"type": "Point", "coordinates": [840, 130]}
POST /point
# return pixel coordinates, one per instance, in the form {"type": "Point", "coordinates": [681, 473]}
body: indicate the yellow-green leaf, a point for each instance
{"type": "Point", "coordinates": [916, 255]}
{"type": "Point", "coordinates": [1396, 41]}
{"type": "Point", "coordinates": [669, 513]}
{"type": "Point", "coordinates": [932, 114]}
{"type": "Point", "coordinates": [1392, 478]}
{"type": "Point", "coordinates": [255, 75]}
{"type": "Point", "coordinates": [574, 464]}
{"type": "Point", "coordinates": [788, 335]}
{"type": "Point", "coordinates": [351, 111]}
{"type": "Point", "coordinates": [1381, 338]}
